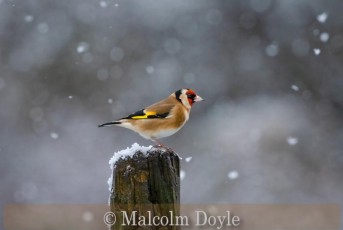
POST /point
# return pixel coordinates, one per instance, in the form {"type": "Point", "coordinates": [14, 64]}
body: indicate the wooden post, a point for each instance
{"type": "Point", "coordinates": [145, 185]}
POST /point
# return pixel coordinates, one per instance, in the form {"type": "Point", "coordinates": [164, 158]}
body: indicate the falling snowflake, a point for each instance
{"type": "Point", "coordinates": [150, 69]}
{"type": "Point", "coordinates": [292, 140]}
{"type": "Point", "coordinates": [272, 50]}
{"type": "Point", "coordinates": [103, 4]}
{"type": "Point", "coordinates": [182, 175]}
{"type": "Point", "coordinates": [322, 17]}
{"type": "Point", "coordinates": [324, 37]}
{"type": "Point", "coordinates": [82, 47]}
{"type": "Point", "coordinates": [233, 175]}
{"type": "Point", "coordinates": [188, 159]}
{"type": "Point", "coordinates": [316, 51]}
{"type": "Point", "coordinates": [54, 135]}
{"type": "Point", "coordinates": [28, 18]}
{"type": "Point", "coordinates": [295, 87]}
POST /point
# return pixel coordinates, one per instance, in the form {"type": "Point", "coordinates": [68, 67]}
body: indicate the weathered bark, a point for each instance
{"type": "Point", "coordinates": [146, 183]}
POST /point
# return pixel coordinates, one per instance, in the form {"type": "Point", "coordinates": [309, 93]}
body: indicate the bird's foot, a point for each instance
{"type": "Point", "coordinates": [161, 145]}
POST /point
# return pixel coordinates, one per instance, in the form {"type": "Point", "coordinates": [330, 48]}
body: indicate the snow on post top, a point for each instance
{"type": "Point", "coordinates": [128, 152]}
{"type": "Point", "coordinates": [122, 154]}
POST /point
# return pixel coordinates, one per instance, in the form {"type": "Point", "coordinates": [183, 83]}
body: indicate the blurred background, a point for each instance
{"type": "Point", "coordinates": [271, 71]}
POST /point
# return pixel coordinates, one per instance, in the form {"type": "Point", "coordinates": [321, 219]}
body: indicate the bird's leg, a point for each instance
{"type": "Point", "coordinates": [160, 144]}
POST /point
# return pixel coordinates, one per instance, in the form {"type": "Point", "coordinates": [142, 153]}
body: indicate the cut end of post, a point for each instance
{"type": "Point", "coordinates": [129, 152]}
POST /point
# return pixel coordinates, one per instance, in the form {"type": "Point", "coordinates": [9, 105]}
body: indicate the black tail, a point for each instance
{"type": "Point", "coordinates": [110, 123]}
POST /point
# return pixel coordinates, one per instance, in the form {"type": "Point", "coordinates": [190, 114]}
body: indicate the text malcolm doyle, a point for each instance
{"type": "Point", "coordinates": [200, 218]}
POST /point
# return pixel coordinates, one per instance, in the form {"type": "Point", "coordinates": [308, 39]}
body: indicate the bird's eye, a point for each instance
{"type": "Point", "coordinates": [191, 96]}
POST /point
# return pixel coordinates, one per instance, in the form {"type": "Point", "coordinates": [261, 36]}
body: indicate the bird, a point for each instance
{"type": "Point", "coordinates": [161, 119]}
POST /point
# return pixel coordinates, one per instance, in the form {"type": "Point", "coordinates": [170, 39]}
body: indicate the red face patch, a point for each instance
{"type": "Point", "coordinates": [190, 101]}
{"type": "Point", "coordinates": [190, 96]}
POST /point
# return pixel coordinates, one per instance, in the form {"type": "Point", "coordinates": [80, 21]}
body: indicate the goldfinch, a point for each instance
{"type": "Point", "coordinates": [162, 119]}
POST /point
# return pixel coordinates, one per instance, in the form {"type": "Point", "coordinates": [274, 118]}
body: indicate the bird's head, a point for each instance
{"type": "Point", "coordinates": [187, 97]}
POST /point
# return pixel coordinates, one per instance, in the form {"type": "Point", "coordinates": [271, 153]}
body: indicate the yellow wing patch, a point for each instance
{"type": "Point", "coordinates": [146, 115]}
{"type": "Point", "coordinates": [142, 114]}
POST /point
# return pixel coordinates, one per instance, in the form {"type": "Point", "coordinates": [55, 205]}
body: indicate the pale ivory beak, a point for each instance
{"type": "Point", "coordinates": [198, 98]}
